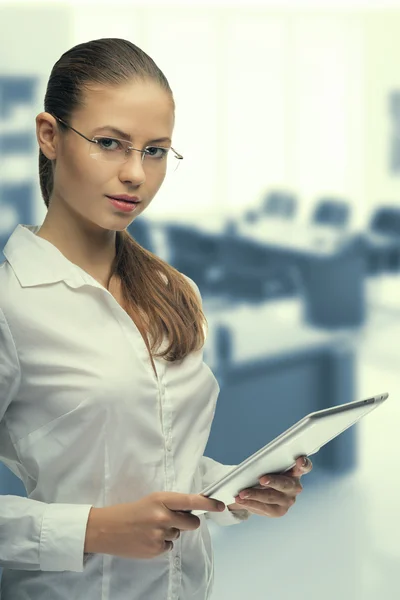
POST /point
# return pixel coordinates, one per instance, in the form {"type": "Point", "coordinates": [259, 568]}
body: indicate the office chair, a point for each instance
{"type": "Point", "coordinates": [248, 272]}
{"type": "Point", "coordinates": [196, 254]}
{"type": "Point", "coordinates": [279, 204]}
{"type": "Point", "coordinates": [331, 211]}
{"type": "Point", "coordinates": [251, 217]}
{"type": "Point", "coordinates": [382, 240]}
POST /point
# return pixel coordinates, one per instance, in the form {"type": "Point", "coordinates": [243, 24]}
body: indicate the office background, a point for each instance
{"type": "Point", "coordinates": [286, 212]}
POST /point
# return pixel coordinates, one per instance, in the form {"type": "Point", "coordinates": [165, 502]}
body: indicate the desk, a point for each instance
{"type": "Point", "coordinates": [383, 252]}
{"type": "Point", "coordinates": [272, 372]}
{"type": "Point", "coordinates": [312, 240]}
{"type": "Point", "coordinates": [333, 269]}
{"type": "Point", "coordinates": [332, 266]}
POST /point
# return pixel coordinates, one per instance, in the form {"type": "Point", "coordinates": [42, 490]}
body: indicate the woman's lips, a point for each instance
{"type": "Point", "coordinates": [123, 205]}
{"type": "Point", "coordinates": [125, 197]}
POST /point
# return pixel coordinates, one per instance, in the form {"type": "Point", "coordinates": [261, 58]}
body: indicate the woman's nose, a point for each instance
{"type": "Point", "coordinates": [132, 169]}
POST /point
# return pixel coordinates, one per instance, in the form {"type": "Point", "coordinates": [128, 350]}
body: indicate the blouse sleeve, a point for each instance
{"type": "Point", "coordinates": [34, 535]}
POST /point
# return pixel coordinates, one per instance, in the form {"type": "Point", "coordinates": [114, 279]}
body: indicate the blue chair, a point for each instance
{"type": "Point", "coordinates": [251, 217]}
{"type": "Point", "coordinates": [331, 211]}
{"type": "Point", "coordinates": [280, 204]}
{"type": "Point", "coordinates": [196, 254]}
{"type": "Point", "coordinates": [249, 273]}
{"type": "Point", "coordinates": [382, 240]}
{"type": "Point", "coordinates": [334, 287]}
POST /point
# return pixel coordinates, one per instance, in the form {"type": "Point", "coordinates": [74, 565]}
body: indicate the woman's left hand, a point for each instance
{"type": "Point", "coordinates": [273, 499]}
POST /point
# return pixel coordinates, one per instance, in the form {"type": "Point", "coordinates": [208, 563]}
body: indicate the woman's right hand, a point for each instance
{"type": "Point", "coordinates": [146, 528]}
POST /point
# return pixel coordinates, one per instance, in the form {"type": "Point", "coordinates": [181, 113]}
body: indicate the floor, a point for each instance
{"type": "Point", "coordinates": [342, 537]}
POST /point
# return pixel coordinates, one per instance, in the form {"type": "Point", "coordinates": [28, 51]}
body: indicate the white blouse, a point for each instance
{"type": "Point", "coordinates": [85, 421]}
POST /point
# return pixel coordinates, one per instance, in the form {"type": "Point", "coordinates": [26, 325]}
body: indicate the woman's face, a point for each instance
{"type": "Point", "coordinates": [143, 111]}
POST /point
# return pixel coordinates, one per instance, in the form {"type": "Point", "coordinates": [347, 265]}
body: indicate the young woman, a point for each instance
{"type": "Point", "coordinates": [105, 402]}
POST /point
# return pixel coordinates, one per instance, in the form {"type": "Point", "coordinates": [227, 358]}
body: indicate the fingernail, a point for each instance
{"type": "Point", "coordinates": [305, 462]}
{"type": "Point", "coordinates": [221, 506]}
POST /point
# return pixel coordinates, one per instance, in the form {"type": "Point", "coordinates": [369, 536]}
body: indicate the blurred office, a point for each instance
{"type": "Point", "coordinates": [286, 213]}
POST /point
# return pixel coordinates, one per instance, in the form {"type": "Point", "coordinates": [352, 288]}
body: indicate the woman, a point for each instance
{"type": "Point", "coordinates": [105, 401]}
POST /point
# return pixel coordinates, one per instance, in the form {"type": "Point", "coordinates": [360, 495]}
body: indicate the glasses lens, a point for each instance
{"type": "Point", "coordinates": [157, 160]}
{"type": "Point", "coordinates": [172, 163]}
{"type": "Point", "coordinates": [109, 149]}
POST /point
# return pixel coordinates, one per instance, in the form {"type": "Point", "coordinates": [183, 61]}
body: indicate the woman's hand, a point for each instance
{"type": "Point", "coordinates": [276, 494]}
{"type": "Point", "coordinates": [145, 528]}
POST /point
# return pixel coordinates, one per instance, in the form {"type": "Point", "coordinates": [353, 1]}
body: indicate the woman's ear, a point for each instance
{"type": "Point", "coordinates": [47, 134]}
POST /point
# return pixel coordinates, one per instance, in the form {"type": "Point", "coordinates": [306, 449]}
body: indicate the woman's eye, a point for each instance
{"type": "Point", "coordinates": [156, 152]}
{"type": "Point", "coordinates": [106, 144]}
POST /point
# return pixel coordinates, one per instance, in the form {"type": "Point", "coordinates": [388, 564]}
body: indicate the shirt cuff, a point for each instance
{"type": "Point", "coordinates": [62, 537]}
{"type": "Point", "coordinates": [228, 517]}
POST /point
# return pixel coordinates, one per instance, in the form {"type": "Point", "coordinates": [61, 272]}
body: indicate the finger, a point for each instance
{"type": "Point", "coordinates": [172, 534]}
{"type": "Point", "coordinates": [267, 510]}
{"type": "Point", "coordinates": [266, 496]}
{"type": "Point", "coordinates": [282, 483]}
{"type": "Point", "coordinates": [187, 502]}
{"type": "Point", "coordinates": [295, 472]}
{"type": "Point", "coordinates": [168, 546]}
{"type": "Point", "coordinates": [184, 521]}
{"type": "Point", "coordinates": [303, 466]}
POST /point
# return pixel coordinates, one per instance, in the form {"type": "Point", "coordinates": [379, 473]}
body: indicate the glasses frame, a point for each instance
{"type": "Point", "coordinates": [143, 152]}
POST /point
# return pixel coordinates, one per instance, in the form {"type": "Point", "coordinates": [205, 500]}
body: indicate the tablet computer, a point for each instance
{"type": "Point", "coordinates": [304, 438]}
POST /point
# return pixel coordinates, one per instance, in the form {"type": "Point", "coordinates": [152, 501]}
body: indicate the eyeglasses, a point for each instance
{"type": "Point", "coordinates": [110, 149]}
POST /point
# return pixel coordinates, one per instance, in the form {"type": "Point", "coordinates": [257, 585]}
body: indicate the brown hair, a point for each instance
{"type": "Point", "coordinates": [154, 292]}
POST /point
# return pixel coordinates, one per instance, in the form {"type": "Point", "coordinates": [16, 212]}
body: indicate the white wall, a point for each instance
{"type": "Point", "coordinates": [383, 76]}
{"type": "Point", "coordinates": [265, 97]}
{"type": "Point", "coordinates": [31, 40]}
